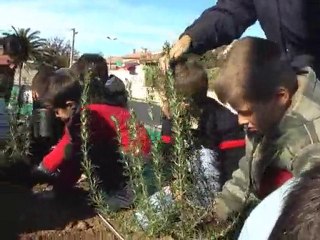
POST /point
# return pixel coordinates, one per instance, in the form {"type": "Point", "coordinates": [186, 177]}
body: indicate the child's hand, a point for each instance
{"type": "Point", "coordinates": [40, 172]}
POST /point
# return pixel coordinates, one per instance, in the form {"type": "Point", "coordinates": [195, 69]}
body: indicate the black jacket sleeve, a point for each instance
{"type": "Point", "coordinates": [221, 24]}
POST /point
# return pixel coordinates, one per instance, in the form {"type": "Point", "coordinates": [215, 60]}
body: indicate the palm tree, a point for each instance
{"type": "Point", "coordinates": [31, 47]}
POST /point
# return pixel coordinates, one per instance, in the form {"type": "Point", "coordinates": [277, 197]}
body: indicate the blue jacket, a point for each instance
{"type": "Point", "coordinates": [293, 24]}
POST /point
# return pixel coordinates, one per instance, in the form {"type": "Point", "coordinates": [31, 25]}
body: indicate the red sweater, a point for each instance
{"type": "Point", "coordinates": [103, 133]}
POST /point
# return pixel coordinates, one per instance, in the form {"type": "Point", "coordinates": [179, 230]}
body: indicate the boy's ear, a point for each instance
{"type": "Point", "coordinates": [283, 95]}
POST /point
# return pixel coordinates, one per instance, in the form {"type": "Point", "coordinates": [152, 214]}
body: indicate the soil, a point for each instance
{"type": "Point", "coordinates": [35, 214]}
{"type": "Point", "coordinates": [29, 211]}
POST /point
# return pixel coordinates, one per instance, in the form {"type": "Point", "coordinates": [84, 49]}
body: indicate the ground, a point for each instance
{"type": "Point", "coordinates": [24, 215]}
{"type": "Point", "coordinates": [33, 215]}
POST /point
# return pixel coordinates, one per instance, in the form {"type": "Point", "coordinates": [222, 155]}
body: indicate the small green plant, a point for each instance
{"type": "Point", "coordinates": [166, 174]}
{"type": "Point", "coordinates": [180, 218]}
{"type": "Point", "coordinates": [97, 197]}
{"type": "Point", "coordinates": [18, 144]}
{"type": "Point", "coordinates": [152, 73]}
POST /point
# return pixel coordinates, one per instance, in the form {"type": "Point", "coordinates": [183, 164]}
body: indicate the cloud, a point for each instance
{"type": "Point", "coordinates": [135, 25]}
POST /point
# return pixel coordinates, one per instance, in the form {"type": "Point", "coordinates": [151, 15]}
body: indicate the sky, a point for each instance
{"type": "Point", "coordinates": [136, 24]}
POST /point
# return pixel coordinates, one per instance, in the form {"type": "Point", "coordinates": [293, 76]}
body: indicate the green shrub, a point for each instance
{"type": "Point", "coordinates": [181, 220]}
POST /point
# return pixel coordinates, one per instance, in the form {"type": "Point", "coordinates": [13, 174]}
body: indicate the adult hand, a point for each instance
{"type": "Point", "coordinates": [179, 48]}
{"type": "Point", "coordinates": [164, 104]}
{"type": "Point", "coordinates": [165, 109]}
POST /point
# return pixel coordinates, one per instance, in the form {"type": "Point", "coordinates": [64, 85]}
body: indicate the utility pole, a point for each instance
{"type": "Point", "coordinates": [110, 58]}
{"type": "Point", "coordinates": [74, 33]}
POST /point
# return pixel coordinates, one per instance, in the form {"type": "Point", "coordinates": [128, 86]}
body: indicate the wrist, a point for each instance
{"type": "Point", "coordinates": [41, 167]}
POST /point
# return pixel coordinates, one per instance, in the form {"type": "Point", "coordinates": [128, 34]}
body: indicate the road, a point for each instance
{"type": "Point", "coordinates": [141, 109]}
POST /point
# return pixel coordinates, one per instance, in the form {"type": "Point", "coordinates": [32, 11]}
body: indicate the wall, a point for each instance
{"type": "Point", "coordinates": [138, 90]}
{"type": "Point", "coordinates": [27, 76]}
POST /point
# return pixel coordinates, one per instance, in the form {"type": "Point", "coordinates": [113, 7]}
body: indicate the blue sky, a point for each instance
{"type": "Point", "coordinates": [135, 23]}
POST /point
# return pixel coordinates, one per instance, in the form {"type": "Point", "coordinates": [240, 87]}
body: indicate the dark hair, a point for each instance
{"type": "Point", "coordinates": [96, 92]}
{"type": "Point", "coordinates": [40, 81]}
{"type": "Point", "coordinates": [253, 72]}
{"type": "Point", "coordinates": [191, 79]}
{"type": "Point", "coordinates": [300, 217]}
{"type": "Point", "coordinates": [115, 92]}
{"type": "Point", "coordinates": [63, 87]}
{"type": "Point", "coordinates": [94, 63]}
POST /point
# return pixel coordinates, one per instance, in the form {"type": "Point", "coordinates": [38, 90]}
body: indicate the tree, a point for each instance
{"type": "Point", "coordinates": [58, 52]}
{"type": "Point", "coordinates": [31, 47]}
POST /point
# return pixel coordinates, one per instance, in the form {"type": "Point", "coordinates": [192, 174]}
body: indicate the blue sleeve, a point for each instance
{"type": "Point", "coordinates": [221, 24]}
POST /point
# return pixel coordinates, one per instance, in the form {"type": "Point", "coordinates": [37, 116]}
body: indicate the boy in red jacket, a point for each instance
{"type": "Point", "coordinates": [63, 97]}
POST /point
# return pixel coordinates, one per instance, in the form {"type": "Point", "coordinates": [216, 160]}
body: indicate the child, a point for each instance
{"type": "Point", "coordinates": [263, 217]}
{"type": "Point", "coordinates": [290, 212]}
{"type": "Point", "coordinates": [46, 128]}
{"type": "Point", "coordinates": [115, 92]}
{"type": "Point", "coordinates": [107, 89]}
{"type": "Point", "coordinates": [281, 113]}
{"type": "Point", "coordinates": [213, 161]}
{"type": "Point", "coordinates": [300, 215]}
{"type": "Point", "coordinates": [112, 93]}
{"type": "Point", "coordinates": [93, 62]}
{"type": "Point", "coordinates": [64, 93]}
{"type": "Point", "coordinates": [218, 129]}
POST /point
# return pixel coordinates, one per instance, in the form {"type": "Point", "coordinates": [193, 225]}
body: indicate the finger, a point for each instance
{"type": "Point", "coordinates": [164, 63]}
{"type": "Point", "coordinates": [177, 50]}
{"type": "Point", "coordinates": [174, 52]}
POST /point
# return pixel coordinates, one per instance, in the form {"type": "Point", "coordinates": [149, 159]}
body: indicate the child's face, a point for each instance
{"type": "Point", "coordinates": [65, 113]}
{"type": "Point", "coordinates": [263, 116]}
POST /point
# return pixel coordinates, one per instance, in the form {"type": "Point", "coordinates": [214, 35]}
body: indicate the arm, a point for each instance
{"type": "Point", "coordinates": [234, 194]}
{"type": "Point", "coordinates": [54, 159]}
{"type": "Point", "coordinates": [221, 24]}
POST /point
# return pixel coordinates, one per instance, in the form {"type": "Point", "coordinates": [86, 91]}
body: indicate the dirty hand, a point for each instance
{"type": "Point", "coordinates": [216, 218]}
{"type": "Point", "coordinates": [220, 210]}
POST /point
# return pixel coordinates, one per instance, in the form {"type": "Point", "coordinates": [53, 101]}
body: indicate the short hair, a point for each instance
{"type": "Point", "coordinates": [191, 79]}
{"type": "Point", "coordinates": [115, 92]}
{"type": "Point", "coordinates": [300, 217]}
{"type": "Point", "coordinates": [40, 81]}
{"type": "Point", "coordinates": [96, 92]}
{"type": "Point", "coordinates": [253, 72]}
{"type": "Point", "coordinates": [94, 63]}
{"type": "Point", "coordinates": [63, 87]}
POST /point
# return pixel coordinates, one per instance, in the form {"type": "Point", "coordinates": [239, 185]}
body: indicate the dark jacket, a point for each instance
{"type": "Point", "coordinates": [218, 130]}
{"type": "Point", "coordinates": [293, 24]}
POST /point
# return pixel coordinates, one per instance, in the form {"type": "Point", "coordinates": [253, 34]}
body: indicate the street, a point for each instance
{"type": "Point", "coordinates": [141, 109]}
